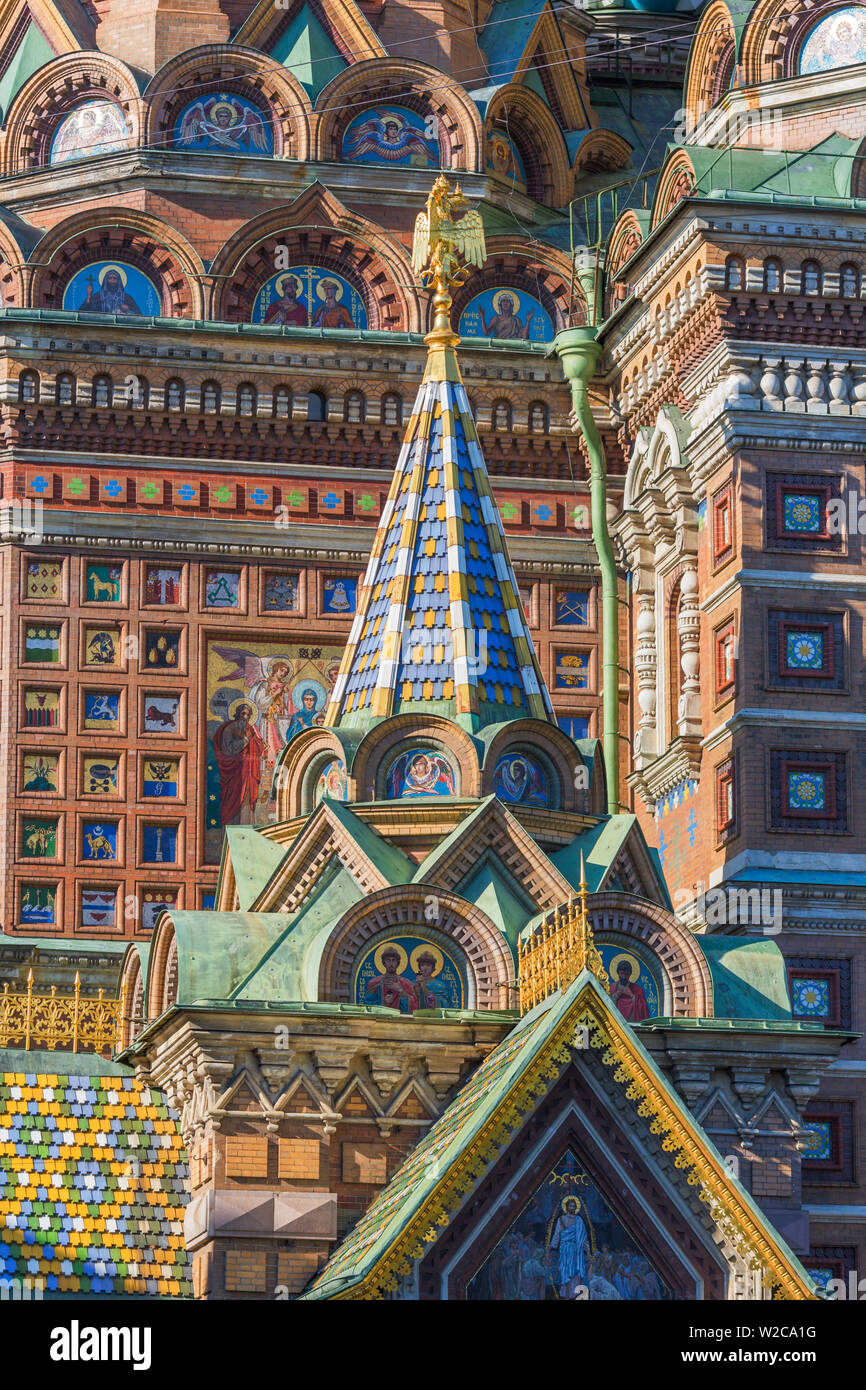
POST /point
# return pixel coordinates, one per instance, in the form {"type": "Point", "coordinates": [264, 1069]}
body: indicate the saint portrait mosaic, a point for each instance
{"type": "Point", "coordinates": [506, 313]}
{"type": "Point", "coordinates": [408, 974]}
{"type": "Point", "coordinates": [112, 287]}
{"type": "Point", "coordinates": [308, 296]}
{"type": "Point", "coordinates": [567, 1243]}
{"type": "Point", "coordinates": [94, 128]}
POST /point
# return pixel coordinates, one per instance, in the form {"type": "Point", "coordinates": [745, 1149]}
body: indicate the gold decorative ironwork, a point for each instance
{"type": "Point", "coordinates": [74, 1023]}
{"type": "Point", "coordinates": [561, 946]}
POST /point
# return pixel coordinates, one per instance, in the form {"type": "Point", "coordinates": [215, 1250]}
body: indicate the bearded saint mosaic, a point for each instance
{"type": "Point", "coordinates": [408, 974]}
{"type": "Point", "coordinates": [307, 296]}
{"type": "Point", "coordinates": [226, 123]}
{"type": "Point", "coordinates": [95, 127]}
{"type": "Point", "coordinates": [506, 313]}
{"type": "Point", "coordinates": [112, 287]}
{"type": "Point", "coordinates": [568, 1244]}
{"type": "Point", "coordinates": [519, 778]}
{"type": "Point", "coordinates": [390, 135]}
{"type": "Point", "coordinates": [259, 697]}
{"type": "Point", "coordinates": [419, 772]}
{"type": "Point", "coordinates": [633, 985]}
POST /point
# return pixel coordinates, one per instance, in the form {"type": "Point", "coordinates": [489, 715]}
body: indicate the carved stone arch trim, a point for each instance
{"type": "Point", "coordinates": [545, 274]}
{"type": "Point", "coordinates": [13, 271]}
{"type": "Point", "coordinates": [226, 68]}
{"type": "Point", "coordinates": [318, 230]}
{"type": "Point", "coordinates": [677, 181]}
{"type": "Point", "coordinates": [490, 964]}
{"type": "Point", "coordinates": [600, 151]}
{"type": "Point", "coordinates": [770, 46]}
{"type": "Point", "coordinates": [521, 112]}
{"type": "Point", "coordinates": [132, 979]}
{"type": "Point", "coordinates": [384, 741]}
{"type": "Point", "coordinates": [555, 748]}
{"type": "Point", "coordinates": [124, 234]}
{"type": "Point", "coordinates": [162, 974]}
{"type": "Point", "coordinates": [712, 55]}
{"type": "Point", "coordinates": [687, 979]}
{"type": "Point", "coordinates": [402, 82]}
{"type": "Point", "coordinates": [53, 91]}
{"type": "Point", "coordinates": [293, 770]}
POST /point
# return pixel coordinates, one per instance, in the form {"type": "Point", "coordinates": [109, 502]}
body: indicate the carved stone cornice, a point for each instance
{"type": "Point", "coordinates": [681, 762]}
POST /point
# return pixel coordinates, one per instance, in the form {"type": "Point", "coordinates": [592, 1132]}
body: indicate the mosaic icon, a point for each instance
{"type": "Point", "coordinates": [408, 973]}
{"type": "Point", "coordinates": [38, 904]}
{"type": "Point", "coordinates": [98, 840]}
{"type": "Point", "coordinates": [41, 708]}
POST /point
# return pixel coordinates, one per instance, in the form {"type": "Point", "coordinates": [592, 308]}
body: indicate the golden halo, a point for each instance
{"type": "Point", "coordinates": [394, 946]}
{"type": "Point", "coordinates": [633, 962]}
{"type": "Point", "coordinates": [281, 280]}
{"type": "Point", "coordinates": [496, 299]}
{"type": "Point", "coordinates": [338, 288]}
{"type": "Point", "coordinates": [497, 138]}
{"type": "Point", "coordinates": [233, 708]}
{"type": "Point", "coordinates": [120, 270]}
{"type": "Point", "coordinates": [427, 949]}
{"type": "Point", "coordinates": [223, 106]}
{"type": "Point", "coordinates": [572, 1198]}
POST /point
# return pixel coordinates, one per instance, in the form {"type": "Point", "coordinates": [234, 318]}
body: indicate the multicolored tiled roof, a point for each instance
{"type": "Point", "coordinates": [93, 1183]}
{"type": "Point", "coordinates": [440, 627]}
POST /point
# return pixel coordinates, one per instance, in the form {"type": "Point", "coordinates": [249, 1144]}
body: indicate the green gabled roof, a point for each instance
{"type": "Point", "coordinates": [217, 950]}
{"type": "Point", "coordinates": [600, 844]}
{"type": "Point", "coordinates": [32, 53]}
{"type": "Point", "coordinates": [494, 890]}
{"type": "Point", "coordinates": [507, 30]}
{"type": "Point", "coordinates": [749, 977]}
{"type": "Point", "coordinates": [426, 867]}
{"type": "Point", "coordinates": [471, 1119]}
{"type": "Point", "coordinates": [307, 52]}
{"type": "Point", "coordinates": [289, 968]}
{"type": "Point", "coordinates": [254, 859]}
{"type": "Point", "coordinates": [391, 862]}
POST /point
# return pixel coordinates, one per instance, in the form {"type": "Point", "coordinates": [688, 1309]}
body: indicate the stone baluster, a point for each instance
{"type": "Point", "coordinates": [689, 630]}
{"type": "Point", "coordinates": [645, 664]}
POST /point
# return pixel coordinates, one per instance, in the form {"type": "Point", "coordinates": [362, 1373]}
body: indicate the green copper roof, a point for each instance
{"type": "Point", "coordinates": [749, 978]}
{"type": "Point", "coordinates": [306, 51]}
{"type": "Point", "coordinates": [494, 890]}
{"type": "Point", "coordinates": [822, 172]}
{"type": "Point", "coordinates": [217, 950]}
{"type": "Point", "coordinates": [32, 52]}
{"type": "Point", "coordinates": [255, 859]}
{"type": "Point", "coordinates": [391, 862]}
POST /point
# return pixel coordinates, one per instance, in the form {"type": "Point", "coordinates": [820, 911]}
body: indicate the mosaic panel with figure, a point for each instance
{"type": "Point", "coordinates": [506, 313]}
{"type": "Point", "coordinates": [633, 987]}
{"type": "Point", "coordinates": [567, 1243]}
{"type": "Point", "coordinates": [112, 287]}
{"type": "Point", "coordinates": [391, 135]}
{"type": "Point", "coordinates": [407, 973]}
{"type": "Point", "coordinates": [308, 296]}
{"type": "Point", "coordinates": [226, 123]}
{"type": "Point", "coordinates": [259, 697]}
{"type": "Point", "coordinates": [93, 128]}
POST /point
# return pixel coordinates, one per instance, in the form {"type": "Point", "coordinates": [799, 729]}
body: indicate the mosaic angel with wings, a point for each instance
{"type": "Point", "coordinates": [388, 135]}
{"type": "Point", "coordinates": [223, 124]}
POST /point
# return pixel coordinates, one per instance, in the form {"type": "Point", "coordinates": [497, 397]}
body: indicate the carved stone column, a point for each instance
{"type": "Point", "coordinates": [689, 630]}
{"type": "Point", "coordinates": [645, 663]}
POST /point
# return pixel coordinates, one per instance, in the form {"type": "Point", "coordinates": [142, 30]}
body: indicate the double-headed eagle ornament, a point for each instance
{"type": "Point", "coordinates": [445, 245]}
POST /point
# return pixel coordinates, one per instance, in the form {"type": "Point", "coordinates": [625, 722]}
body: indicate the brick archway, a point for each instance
{"type": "Point", "coordinates": [55, 90]}
{"type": "Point", "coordinates": [523, 115]}
{"type": "Point", "coordinates": [688, 982]}
{"type": "Point", "coordinates": [548, 279]}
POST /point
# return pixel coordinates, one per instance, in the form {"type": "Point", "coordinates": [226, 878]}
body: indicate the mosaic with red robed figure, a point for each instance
{"type": "Point", "coordinates": [568, 1244]}
{"type": "Point", "coordinates": [308, 296]}
{"type": "Point", "coordinates": [633, 987]}
{"type": "Point", "coordinates": [407, 973]}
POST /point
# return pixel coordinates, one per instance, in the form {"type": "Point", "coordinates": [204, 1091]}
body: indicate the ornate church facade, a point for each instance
{"type": "Point", "coordinates": [475, 804]}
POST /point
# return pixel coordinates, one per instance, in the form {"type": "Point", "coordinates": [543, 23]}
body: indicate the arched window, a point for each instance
{"type": "Point", "coordinates": [772, 276]}
{"type": "Point", "coordinates": [64, 389]}
{"type": "Point", "coordinates": [539, 420]}
{"type": "Point", "coordinates": [175, 394]}
{"type": "Point", "coordinates": [211, 397]}
{"type": "Point", "coordinates": [501, 415]}
{"type": "Point", "coordinates": [101, 391]}
{"type": "Point", "coordinates": [392, 409]}
{"type": "Point", "coordinates": [317, 406]}
{"type": "Point", "coordinates": [849, 281]}
{"type": "Point", "coordinates": [735, 273]}
{"type": "Point", "coordinates": [354, 408]}
{"type": "Point", "coordinates": [810, 277]}
{"type": "Point", "coordinates": [282, 403]}
{"type": "Point", "coordinates": [247, 398]}
{"type": "Point", "coordinates": [28, 388]}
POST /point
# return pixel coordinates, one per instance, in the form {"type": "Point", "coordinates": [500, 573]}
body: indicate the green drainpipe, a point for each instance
{"type": "Point", "coordinates": [579, 351]}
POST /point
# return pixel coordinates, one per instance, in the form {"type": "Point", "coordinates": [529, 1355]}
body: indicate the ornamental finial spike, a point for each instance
{"type": "Point", "coordinates": [444, 247]}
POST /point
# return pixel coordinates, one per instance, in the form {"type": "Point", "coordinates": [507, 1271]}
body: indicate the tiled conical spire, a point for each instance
{"type": "Point", "coordinates": [440, 626]}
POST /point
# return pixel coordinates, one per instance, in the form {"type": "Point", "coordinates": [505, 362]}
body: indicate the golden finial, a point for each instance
{"type": "Point", "coordinates": [444, 248]}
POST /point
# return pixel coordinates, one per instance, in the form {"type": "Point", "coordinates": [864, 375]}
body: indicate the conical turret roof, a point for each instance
{"type": "Point", "coordinates": [440, 626]}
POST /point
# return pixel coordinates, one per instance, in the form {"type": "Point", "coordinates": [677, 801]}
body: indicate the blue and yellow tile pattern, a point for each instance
{"type": "Point", "coordinates": [93, 1182]}
{"type": "Point", "coordinates": [439, 625]}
